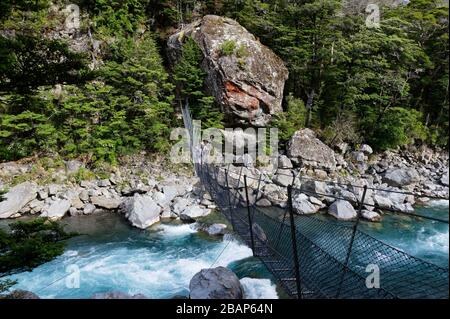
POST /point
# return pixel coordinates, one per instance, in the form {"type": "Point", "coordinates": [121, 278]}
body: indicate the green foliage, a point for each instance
{"type": "Point", "coordinates": [227, 48]}
{"type": "Point", "coordinates": [30, 61]}
{"type": "Point", "coordinates": [398, 127]}
{"type": "Point", "coordinates": [189, 79]}
{"type": "Point", "coordinates": [30, 244]}
{"type": "Point", "coordinates": [292, 120]}
{"type": "Point", "coordinates": [341, 68]}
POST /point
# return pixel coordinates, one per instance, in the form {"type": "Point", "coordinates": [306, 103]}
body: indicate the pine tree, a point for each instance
{"type": "Point", "coordinates": [189, 79]}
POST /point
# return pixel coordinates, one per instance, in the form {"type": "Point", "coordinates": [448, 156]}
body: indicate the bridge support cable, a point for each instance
{"type": "Point", "coordinates": [294, 244]}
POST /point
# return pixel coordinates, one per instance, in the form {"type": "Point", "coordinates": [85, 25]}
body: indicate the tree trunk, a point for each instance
{"type": "Point", "coordinates": [309, 107]}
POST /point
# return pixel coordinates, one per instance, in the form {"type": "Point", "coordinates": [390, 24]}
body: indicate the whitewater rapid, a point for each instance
{"type": "Point", "coordinates": [159, 264]}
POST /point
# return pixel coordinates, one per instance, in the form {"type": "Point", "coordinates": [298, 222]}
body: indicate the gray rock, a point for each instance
{"type": "Point", "coordinates": [87, 184]}
{"type": "Point", "coordinates": [405, 208]}
{"type": "Point", "coordinates": [399, 177]}
{"type": "Point", "coordinates": [104, 183]}
{"type": "Point", "coordinates": [371, 216]}
{"type": "Point", "coordinates": [302, 205]}
{"type": "Point", "coordinates": [84, 195]}
{"type": "Point", "coordinates": [53, 189]}
{"type": "Point", "coordinates": [263, 202]}
{"type": "Point", "coordinates": [89, 209]}
{"type": "Point", "coordinates": [180, 204]}
{"type": "Point", "coordinates": [215, 283]}
{"type": "Point", "coordinates": [43, 194]}
{"type": "Point", "coordinates": [314, 188]}
{"type": "Point", "coordinates": [141, 211]}
{"type": "Point", "coordinates": [366, 149]}
{"type": "Point", "coordinates": [342, 210]}
{"type": "Point", "coordinates": [16, 199]}
{"type": "Point", "coordinates": [284, 162]}
{"type": "Point", "coordinates": [105, 202]}
{"type": "Point", "coordinates": [310, 150]}
{"type": "Point", "coordinates": [382, 201]}
{"type": "Point", "coordinates": [249, 87]}
{"type": "Point", "coordinates": [161, 199]}
{"type": "Point", "coordinates": [283, 177]}
{"type": "Point", "coordinates": [196, 211]}
{"type": "Point", "coordinates": [170, 192]}
{"type": "Point", "coordinates": [275, 194]}
{"type": "Point", "coordinates": [358, 157]}
{"type": "Point", "coordinates": [57, 209]}
{"type": "Point", "coordinates": [216, 229]}
{"type": "Point", "coordinates": [36, 206]}
{"type": "Point", "coordinates": [316, 201]}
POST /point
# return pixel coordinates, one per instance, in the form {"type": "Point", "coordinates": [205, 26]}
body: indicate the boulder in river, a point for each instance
{"type": "Point", "coordinates": [302, 205]}
{"type": "Point", "coordinates": [216, 283]}
{"type": "Point", "coordinates": [245, 77]}
{"type": "Point", "coordinates": [342, 210]}
{"type": "Point", "coordinates": [57, 209]}
{"type": "Point", "coordinates": [17, 198]}
{"type": "Point", "coordinates": [141, 211]}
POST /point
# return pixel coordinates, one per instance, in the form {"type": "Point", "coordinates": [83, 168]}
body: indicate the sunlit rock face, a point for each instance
{"type": "Point", "coordinates": [245, 77]}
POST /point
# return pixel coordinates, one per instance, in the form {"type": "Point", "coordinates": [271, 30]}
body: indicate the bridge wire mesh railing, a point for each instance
{"type": "Point", "coordinates": [311, 257]}
{"type": "Point", "coordinates": [332, 258]}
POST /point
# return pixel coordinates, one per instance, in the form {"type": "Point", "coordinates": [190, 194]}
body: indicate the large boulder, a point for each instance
{"type": "Point", "coordinates": [310, 151]}
{"type": "Point", "coordinates": [245, 77]}
{"type": "Point", "coordinates": [342, 210]}
{"type": "Point", "coordinates": [141, 211]}
{"type": "Point", "coordinates": [399, 177]}
{"type": "Point", "coordinates": [57, 209]}
{"type": "Point", "coordinates": [215, 283]}
{"type": "Point", "coordinates": [17, 198]}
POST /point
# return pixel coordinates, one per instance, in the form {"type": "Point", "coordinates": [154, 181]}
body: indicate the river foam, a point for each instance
{"type": "Point", "coordinates": [259, 288]}
{"type": "Point", "coordinates": [158, 265]}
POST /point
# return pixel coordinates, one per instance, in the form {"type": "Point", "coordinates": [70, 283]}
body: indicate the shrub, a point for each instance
{"type": "Point", "coordinates": [227, 48]}
{"type": "Point", "coordinates": [292, 120]}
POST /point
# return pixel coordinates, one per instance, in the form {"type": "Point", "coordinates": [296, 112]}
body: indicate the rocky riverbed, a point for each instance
{"type": "Point", "coordinates": [145, 192]}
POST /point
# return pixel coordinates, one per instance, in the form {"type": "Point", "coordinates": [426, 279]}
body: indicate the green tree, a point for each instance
{"type": "Point", "coordinates": [189, 79]}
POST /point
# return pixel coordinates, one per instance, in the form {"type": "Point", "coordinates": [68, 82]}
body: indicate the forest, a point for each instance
{"type": "Point", "coordinates": [386, 86]}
